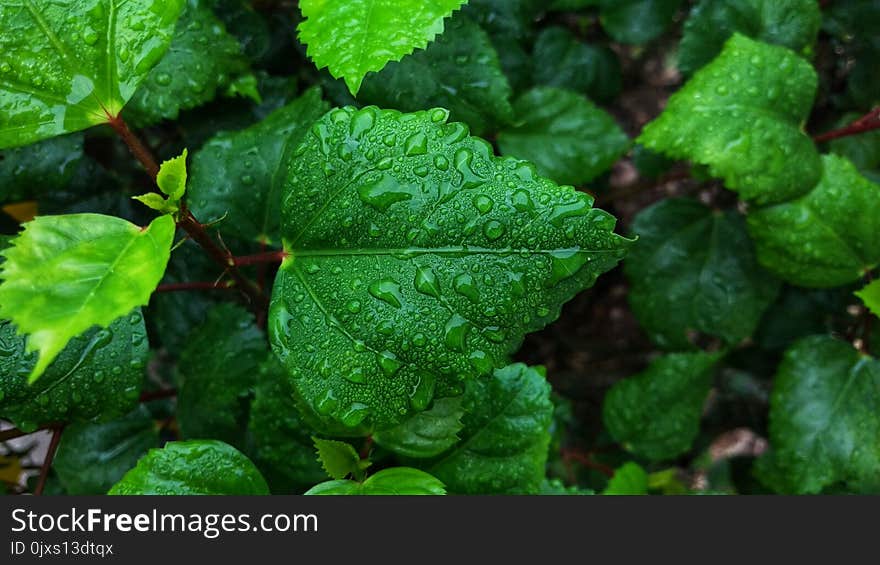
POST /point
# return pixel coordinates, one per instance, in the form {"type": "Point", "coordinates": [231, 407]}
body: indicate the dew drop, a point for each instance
{"type": "Point", "coordinates": [387, 290]}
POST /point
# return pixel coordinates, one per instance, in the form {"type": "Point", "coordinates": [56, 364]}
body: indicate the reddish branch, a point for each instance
{"type": "Point", "coordinates": [13, 433]}
{"type": "Point", "coordinates": [261, 258]}
{"type": "Point", "coordinates": [573, 454]}
{"type": "Point", "coordinates": [866, 123]}
{"type": "Point", "coordinates": [177, 287]}
{"type": "Point", "coordinates": [135, 145]}
{"type": "Point", "coordinates": [158, 394]}
{"type": "Point", "coordinates": [47, 462]}
{"type": "Point", "coordinates": [195, 229]}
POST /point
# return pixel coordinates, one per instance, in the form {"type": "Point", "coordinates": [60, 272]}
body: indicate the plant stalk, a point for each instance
{"type": "Point", "coordinates": [47, 462]}
{"type": "Point", "coordinates": [866, 123]}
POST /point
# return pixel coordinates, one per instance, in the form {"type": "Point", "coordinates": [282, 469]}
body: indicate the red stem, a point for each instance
{"type": "Point", "coordinates": [866, 123]}
{"type": "Point", "coordinates": [195, 229]}
{"type": "Point", "coordinates": [267, 257]}
{"type": "Point", "coordinates": [585, 460]}
{"type": "Point", "coordinates": [177, 287]}
{"type": "Point", "coordinates": [158, 394]}
{"type": "Point", "coordinates": [13, 433]}
{"type": "Point", "coordinates": [47, 462]}
{"type": "Point", "coordinates": [140, 151]}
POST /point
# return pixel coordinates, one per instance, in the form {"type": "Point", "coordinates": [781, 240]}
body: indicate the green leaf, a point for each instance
{"type": "Point", "coordinates": [825, 418]}
{"type": "Point", "coordinates": [459, 71]}
{"type": "Point", "coordinates": [742, 116]}
{"type": "Point", "coordinates": [192, 467]}
{"type": "Point", "coordinates": [504, 441]}
{"type": "Point", "coordinates": [826, 238]}
{"type": "Point", "coordinates": [354, 37]}
{"type": "Point", "coordinates": [428, 433]}
{"type": "Point", "coordinates": [156, 202]}
{"type": "Point", "coordinates": [790, 23]}
{"type": "Point", "coordinates": [694, 270]}
{"type": "Point", "coordinates": [59, 73]}
{"type": "Point", "coordinates": [39, 169]}
{"type": "Point", "coordinates": [562, 61]}
{"type": "Point", "coordinates": [282, 447]}
{"type": "Point", "coordinates": [656, 413]}
{"type": "Point", "coordinates": [505, 18]}
{"type": "Point", "coordinates": [629, 478]}
{"type": "Point", "coordinates": [568, 138]}
{"type": "Point", "coordinates": [65, 274]}
{"type": "Point", "coordinates": [172, 176]}
{"type": "Point", "coordinates": [555, 487]}
{"type": "Point", "coordinates": [411, 252]}
{"type": "Point", "coordinates": [96, 377]}
{"type": "Point", "coordinates": [91, 458]}
{"type": "Point", "coordinates": [339, 459]}
{"type": "Point", "coordinates": [393, 481]}
{"type": "Point", "coordinates": [637, 21]}
{"type": "Point", "coordinates": [217, 370]}
{"type": "Point", "coordinates": [853, 24]}
{"type": "Point", "coordinates": [870, 295]}
{"type": "Point", "coordinates": [202, 59]}
{"type": "Point", "coordinates": [242, 173]}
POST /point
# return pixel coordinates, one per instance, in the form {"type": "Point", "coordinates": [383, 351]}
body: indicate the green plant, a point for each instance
{"type": "Point", "coordinates": [330, 276]}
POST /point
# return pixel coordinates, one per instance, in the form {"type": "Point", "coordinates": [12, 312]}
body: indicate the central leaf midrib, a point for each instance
{"type": "Point", "coordinates": [450, 250]}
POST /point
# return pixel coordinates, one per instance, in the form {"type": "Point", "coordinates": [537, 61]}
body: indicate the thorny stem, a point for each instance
{"type": "Point", "coordinates": [47, 462]}
{"type": "Point", "coordinates": [195, 229]}
{"type": "Point", "coordinates": [866, 123]}
{"type": "Point", "coordinates": [177, 287]}
{"type": "Point", "coordinates": [261, 258]}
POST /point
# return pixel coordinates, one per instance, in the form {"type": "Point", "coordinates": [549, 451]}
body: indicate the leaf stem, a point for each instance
{"type": "Point", "coordinates": [47, 462]}
{"type": "Point", "coordinates": [260, 258]}
{"type": "Point", "coordinates": [866, 123]}
{"type": "Point", "coordinates": [14, 433]}
{"type": "Point", "coordinates": [137, 147]}
{"type": "Point", "coordinates": [177, 287]}
{"type": "Point", "coordinates": [573, 454]}
{"type": "Point", "coordinates": [195, 229]}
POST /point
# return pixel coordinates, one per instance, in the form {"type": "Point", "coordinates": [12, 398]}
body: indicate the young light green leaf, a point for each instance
{"type": "Point", "coordinates": [637, 21]}
{"type": "Point", "coordinates": [629, 478]}
{"type": "Point", "coordinates": [826, 238]}
{"type": "Point", "coordinates": [65, 274]}
{"type": "Point", "coordinates": [59, 73]}
{"type": "Point", "coordinates": [91, 458]}
{"type": "Point", "coordinates": [656, 414]}
{"type": "Point", "coordinates": [504, 441]}
{"type": "Point", "coordinates": [239, 175]}
{"type": "Point", "coordinates": [282, 447]}
{"type": "Point", "coordinates": [157, 202]}
{"type": "Point", "coordinates": [339, 459]}
{"type": "Point", "coordinates": [354, 37]}
{"type": "Point", "coordinates": [95, 378]}
{"type": "Point", "coordinates": [870, 295]}
{"type": "Point", "coordinates": [202, 59]}
{"type": "Point", "coordinates": [172, 176]}
{"type": "Point", "coordinates": [695, 270]}
{"type": "Point", "coordinates": [560, 60]}
{"type": "Point", "coordinates": [192, 467]}
{"type": "Point", "coordinates": [393, 481]}
{"type": "Point", "coordinates": [568, 138]}
{"type": "Point", "coordinates": [424, 286]}
{"type": "Point", "coordinates": [742, 116]}
{"type": "Point", "coordinates": [428, 433]}
{"type": "Point", "coordinates": [217, 370]}
{"type": "Point", "coordinates": [459, 71]}
{"type": "Point", "coordinates": [790, 23]}
{"type": "Point", "coordinates": [825, 418]}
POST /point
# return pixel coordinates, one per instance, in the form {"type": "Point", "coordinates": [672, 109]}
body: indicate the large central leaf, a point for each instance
{"type": "Point", "coordinates": [68, 65]}
{"type": "Point", "coordinates": [418, 260]}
